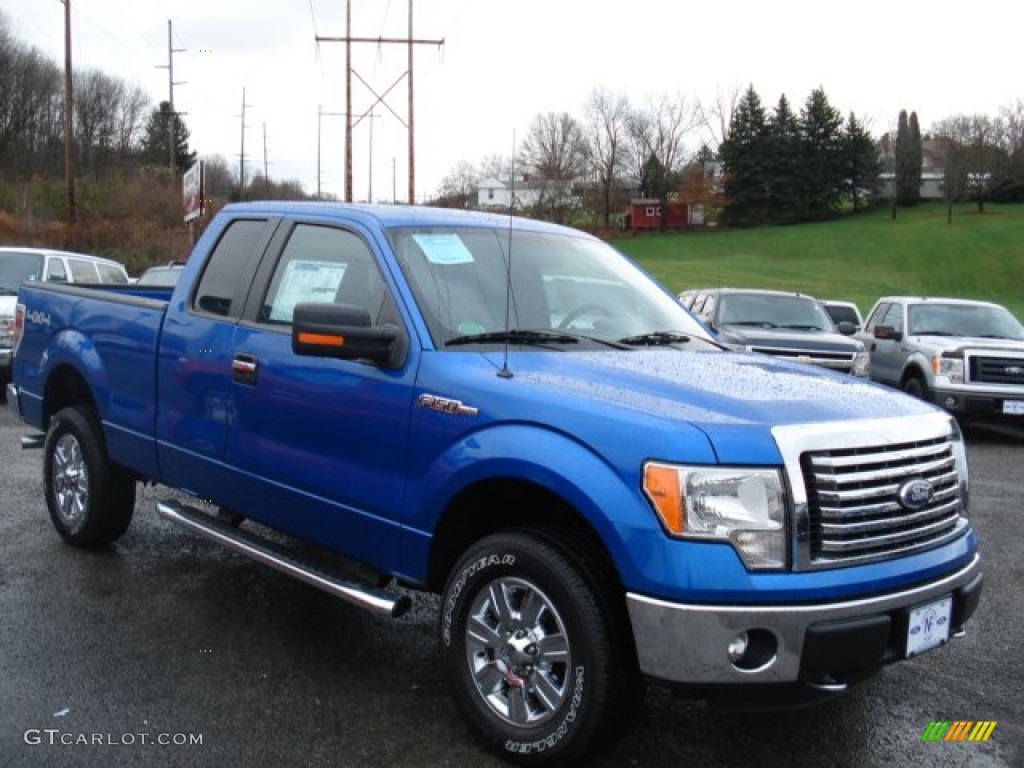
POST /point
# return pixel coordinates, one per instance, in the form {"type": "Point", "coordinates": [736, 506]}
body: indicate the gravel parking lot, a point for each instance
{"type": "Point", "coordinates": [165, 650]}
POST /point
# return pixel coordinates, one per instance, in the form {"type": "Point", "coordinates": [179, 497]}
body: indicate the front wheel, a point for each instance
{"type": "Point", "coordinates": [535, 648]}
{"type": "Point", "coordinates": [915, 387]}
{"type": "Point", "coordinates": [90, 500]}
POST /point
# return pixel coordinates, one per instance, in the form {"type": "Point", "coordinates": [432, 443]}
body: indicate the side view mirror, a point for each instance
{"type": "Point", "coordinates": [344, 332]}
{"type": "Point", "coordinates": [887, 332]}
{"type": "Point", "coordinates": [846, 328]}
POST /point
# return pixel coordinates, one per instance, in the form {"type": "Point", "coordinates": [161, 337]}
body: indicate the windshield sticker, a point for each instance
{"type": "Point", "coordinates": [306, 281]}
{"type": "Point", "coordinates": [443, 248]}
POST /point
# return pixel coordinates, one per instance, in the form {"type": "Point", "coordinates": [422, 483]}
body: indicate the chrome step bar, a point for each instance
{"type": "Point", "coordinates": [266, 552]}
{"type": "Point", "coordinates": [32, 442]}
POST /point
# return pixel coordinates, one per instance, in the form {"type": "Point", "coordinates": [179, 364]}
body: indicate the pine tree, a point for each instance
{"type": "Point", "coordinates": [154, 143]}
{"type": "Point", "coordinates": [908, 162]}
{"type": "Point", "coordinates": [784, 152]}
{"type": "Point", "coordinates": [745, 160]}
{"type": "Point", "coordinates": [821, 130]}
{"type": "Point", "coordinates": [863, 164]}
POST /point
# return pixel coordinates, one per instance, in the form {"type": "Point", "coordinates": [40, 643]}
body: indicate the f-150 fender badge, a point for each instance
{"type": "Point", "coordinates": [446, 405]}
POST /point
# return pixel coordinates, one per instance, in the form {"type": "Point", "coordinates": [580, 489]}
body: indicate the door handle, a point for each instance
{"type": "Point", "coordinates": [244, 368]}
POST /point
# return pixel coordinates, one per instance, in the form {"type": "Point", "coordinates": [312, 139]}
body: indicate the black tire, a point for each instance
{"type": "Point", "coordinates": [536, 647]}
{"type": "Point", "coordinates": [90, 500]}
{"type": "Point", "coordinates": [915, 387]}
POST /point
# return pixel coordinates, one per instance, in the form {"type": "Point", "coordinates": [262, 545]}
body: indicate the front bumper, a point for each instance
{"type": "Point", "coordinates": [976, 404]}
{"type": "Point", "coordinates": [823, 643]}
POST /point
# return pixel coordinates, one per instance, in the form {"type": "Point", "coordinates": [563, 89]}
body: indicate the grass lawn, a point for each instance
{"type": "Point", "coordinates": [856, 258]}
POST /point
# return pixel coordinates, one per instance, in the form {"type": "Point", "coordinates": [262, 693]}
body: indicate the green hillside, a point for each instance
{"type": "Point", "coordinates": [856, 258]}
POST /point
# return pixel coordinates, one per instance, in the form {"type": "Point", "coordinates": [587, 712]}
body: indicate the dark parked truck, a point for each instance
{"type": "Point", "coordinates": [512, 415]}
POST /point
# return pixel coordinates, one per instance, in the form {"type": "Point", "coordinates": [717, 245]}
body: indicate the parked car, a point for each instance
{"type": "Point", "coordinates": [966, 356]}
{"type": "Point", "coordinates": [778, 323]}
{"type": "Point", "coordinates": [843, 312]}
{"type": "Point", "coordinates": [165, 276]}
{"type": "Point", "coordinates": [18, 265]}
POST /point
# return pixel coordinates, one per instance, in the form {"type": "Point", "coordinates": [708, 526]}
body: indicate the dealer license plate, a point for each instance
{"type": "Point", "coordinates": [929, 626]}
{"type": "Point", "coordinates": [1013, 407]}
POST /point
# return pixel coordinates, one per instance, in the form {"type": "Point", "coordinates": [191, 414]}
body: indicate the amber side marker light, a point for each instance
{"type": "Point", "coordinates": [661, 485]}
{"type": "Point", "coordinates": [322, 339]}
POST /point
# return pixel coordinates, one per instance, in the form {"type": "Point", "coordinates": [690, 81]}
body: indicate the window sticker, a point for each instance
{"type": "Point", "coordinates": [306, 281]}
{"type": "Point", "coordinates": [443, 248]}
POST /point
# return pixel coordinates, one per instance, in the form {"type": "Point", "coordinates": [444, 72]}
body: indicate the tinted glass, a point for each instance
{"type": "Point", "coordinates": [218, 287]}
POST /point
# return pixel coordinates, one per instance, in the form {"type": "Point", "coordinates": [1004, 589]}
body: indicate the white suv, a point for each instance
{"type": "Point", "coordinates": [18, 265]}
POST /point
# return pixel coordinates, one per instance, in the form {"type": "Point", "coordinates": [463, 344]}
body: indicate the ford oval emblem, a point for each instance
{"type": "Point", "coordinates": [916, 494]}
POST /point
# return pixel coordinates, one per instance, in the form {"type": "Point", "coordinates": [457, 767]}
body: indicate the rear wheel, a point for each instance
{"type": "Point", "coordinates": [90, 501]}
{"type": "Point", "coordinates": [538, 656]}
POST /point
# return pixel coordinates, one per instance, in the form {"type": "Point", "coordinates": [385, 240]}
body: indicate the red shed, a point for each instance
{"type": "Point", "coordinates": [645, 214]}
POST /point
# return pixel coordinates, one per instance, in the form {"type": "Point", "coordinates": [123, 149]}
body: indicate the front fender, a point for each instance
{"type": "Point", "coordinates": [918, 361]}
{"type": "Point", "coordinates": [608, 499]}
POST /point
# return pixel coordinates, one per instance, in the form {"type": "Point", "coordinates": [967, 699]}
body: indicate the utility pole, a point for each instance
{"type": "Point", "coordinates": [266, 177]}
{"type": "Point", "coordinates": [171, 121]}
{"type": "Point", "coordinates": [409, 41]}
{"type": "Point", "coordinates": [320, 114]}
{"type": "Point", "coordinates": [241, 154]}
{"type": "Point", "coordinates": [69, 124]}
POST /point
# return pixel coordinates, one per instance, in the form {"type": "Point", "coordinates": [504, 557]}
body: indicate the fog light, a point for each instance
{"type": "Point", "coordinates": [753, 650]}
{"type": "Point", "coordinates": [738, 647]}
{"type": "Point", "coordinates": [950, 402]}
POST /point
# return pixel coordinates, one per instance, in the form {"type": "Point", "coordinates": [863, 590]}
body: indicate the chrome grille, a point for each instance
{"type": "Point", "coordinates": [855, 512]}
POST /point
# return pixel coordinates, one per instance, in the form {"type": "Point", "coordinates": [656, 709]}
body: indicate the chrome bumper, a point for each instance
{"type": "Point", "coordinates": [688, 644]}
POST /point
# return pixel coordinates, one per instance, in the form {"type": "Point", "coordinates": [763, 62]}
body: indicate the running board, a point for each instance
{"type": "Point", "coordinates": [266, 552]}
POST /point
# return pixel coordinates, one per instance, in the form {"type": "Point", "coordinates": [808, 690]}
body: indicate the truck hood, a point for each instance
{"type": "Point", "coordinates": [789, 339]}
{"type": "Point", "coordinates": [959, 343]}
{"type": "Point", "coordinates": [733, 398]}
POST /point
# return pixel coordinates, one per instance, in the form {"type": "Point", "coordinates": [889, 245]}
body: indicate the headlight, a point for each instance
{"type": "Point", "coordinates": [950, 367]}
{"type": "Point", "coordinates": [861, 364]}
{"type": "Point", "coordinates": [745, 507]}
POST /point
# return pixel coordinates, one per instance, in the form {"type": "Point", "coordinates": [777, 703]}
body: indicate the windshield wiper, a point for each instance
{"type": "Point", "coordinates": [995, 336]}
{"type": "Point", "coordinates": [514, 336]}
{"type": "Point", "coordinates": [755, 323]}
{"type": "Point", "coordinates": [930, 333]}
{"type": "Point", "coordinates": [798, 327]}
{"type": "Point", "coordinates": [5, 291]}
{"type": "Point", "coordinates": [656, 339]}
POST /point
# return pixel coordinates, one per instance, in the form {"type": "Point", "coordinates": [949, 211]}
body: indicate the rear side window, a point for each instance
{"type": "Point", "coordinates": [55, 272]}
{"type": "Point", "coordinates": [220, 291]}
{"type": "Point", "coordinates": [111, 274]}
{"type": "Point", "coordinates": [83, 271]}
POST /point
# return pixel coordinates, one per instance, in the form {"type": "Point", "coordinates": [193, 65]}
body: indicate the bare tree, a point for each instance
{"type": "Point", "coordinates": [716, 117]}
{"type": "Point", "coordinates": [608, 134]}
{"type": "Point", "coordinates": [657, 135]}
{"type": "Point", "coordinates": [979, 147]}
{"type": "Point", "coordinates": [458, 186]}
{"type": "Point", "coordinates": [556, 154]}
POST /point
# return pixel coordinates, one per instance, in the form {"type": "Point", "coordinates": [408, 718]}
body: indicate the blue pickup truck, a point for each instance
{"type": "Point", "coordinates": [511, 415]}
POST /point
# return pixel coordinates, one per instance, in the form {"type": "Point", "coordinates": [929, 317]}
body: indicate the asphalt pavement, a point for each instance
{"type": "Point", "coordinates": [166, 650]}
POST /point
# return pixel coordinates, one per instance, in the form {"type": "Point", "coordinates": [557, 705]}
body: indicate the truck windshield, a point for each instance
{"type": "Point", "coordinates": [977, 320]}
{"type": "Point", "coordinates": [16, 267]}
{"type": "Point", "coordinates": [773, 311]}
{"type": "Point", "coordinates": [465, 284]}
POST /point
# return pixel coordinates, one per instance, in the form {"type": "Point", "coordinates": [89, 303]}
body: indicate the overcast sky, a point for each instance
{"type": "Point", "coordinates": [504, 62]}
